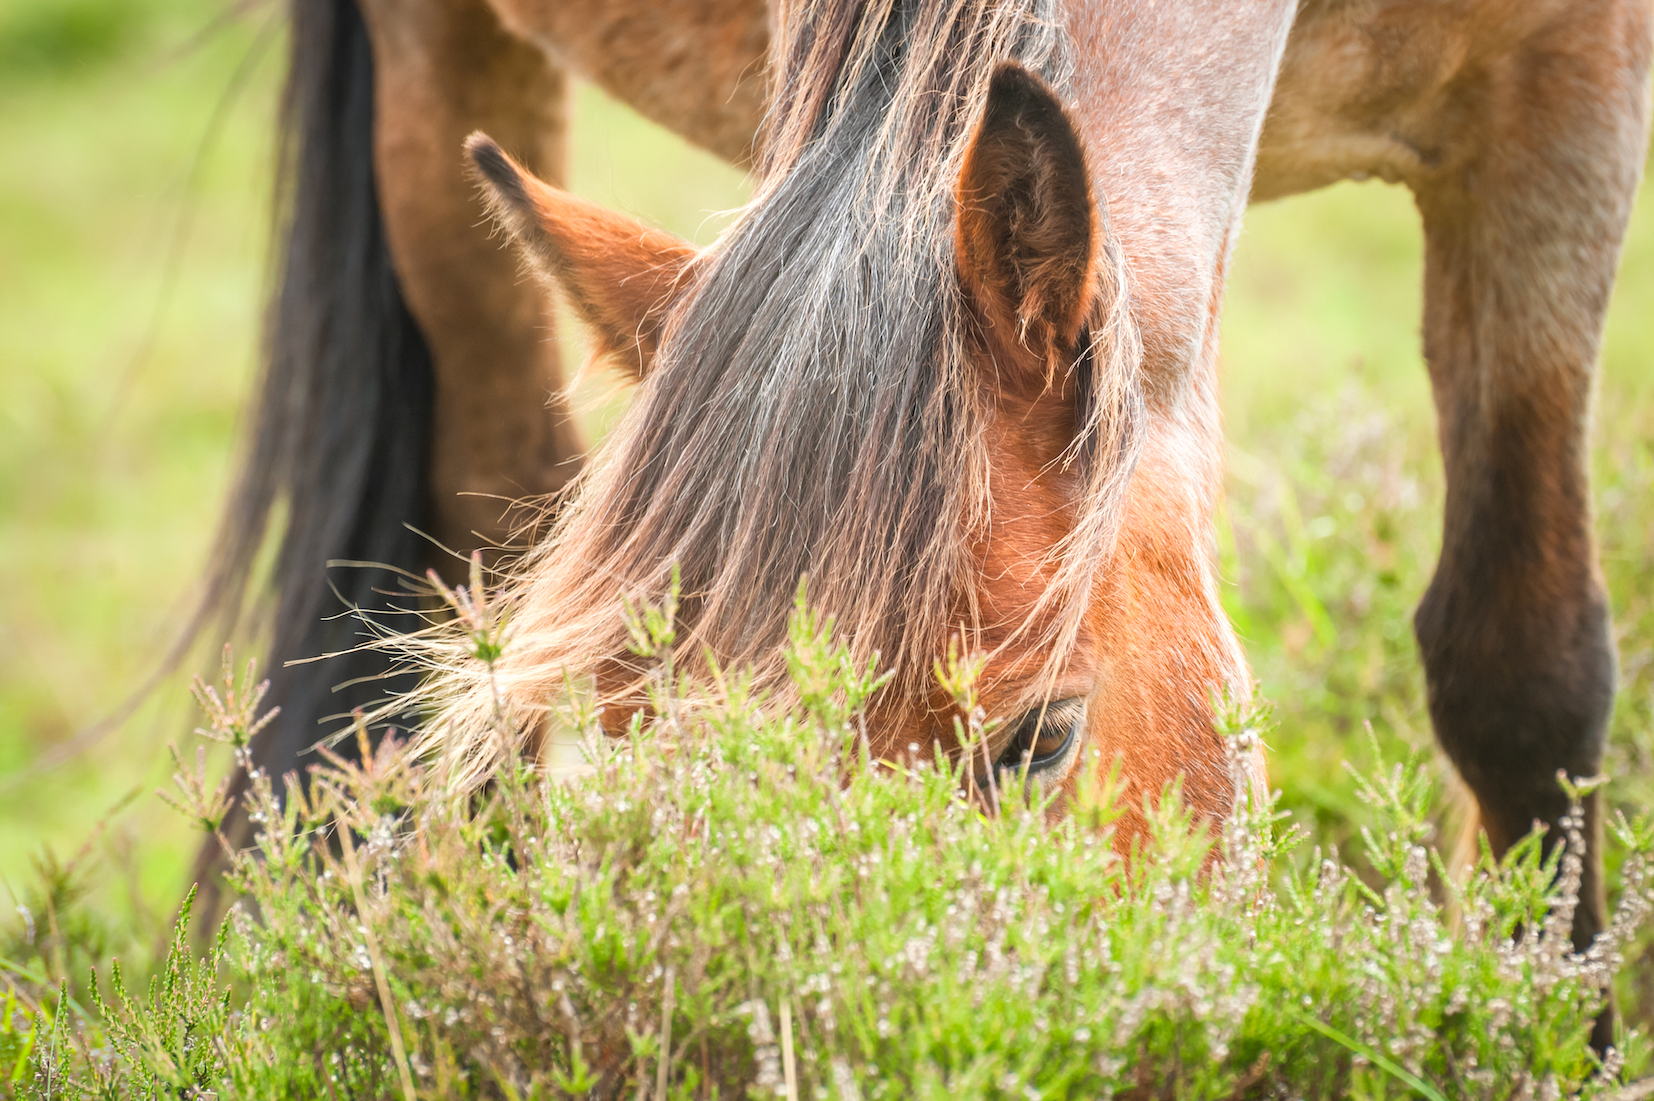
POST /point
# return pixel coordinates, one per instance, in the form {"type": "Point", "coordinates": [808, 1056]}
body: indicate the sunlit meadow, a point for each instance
{"type": "Point", "coordinates": [136, 146]}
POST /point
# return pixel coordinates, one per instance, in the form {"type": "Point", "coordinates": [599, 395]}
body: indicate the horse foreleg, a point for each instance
{"type": "Point", "coordinates": [1528, 171]}
{"type": "Point", "coordinates": [444, 68]}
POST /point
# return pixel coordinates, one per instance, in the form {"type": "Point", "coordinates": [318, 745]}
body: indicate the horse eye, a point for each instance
{"type": "Point", "coordinates": [1044, 739]}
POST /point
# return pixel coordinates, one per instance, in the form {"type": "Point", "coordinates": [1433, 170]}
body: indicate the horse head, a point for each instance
{"type": "Point", "coordinates": [910, 371]}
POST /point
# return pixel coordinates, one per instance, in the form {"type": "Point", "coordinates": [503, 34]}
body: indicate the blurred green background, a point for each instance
{"type": "Point", "coordinates": [136, 144]}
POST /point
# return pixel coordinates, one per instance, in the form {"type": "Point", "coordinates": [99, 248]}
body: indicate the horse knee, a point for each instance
{"type": "Point", "coordinates": [1519, 689]}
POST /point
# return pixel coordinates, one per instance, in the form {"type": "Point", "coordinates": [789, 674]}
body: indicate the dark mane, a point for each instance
{"type": "Point", "coordinates": [811, 410]}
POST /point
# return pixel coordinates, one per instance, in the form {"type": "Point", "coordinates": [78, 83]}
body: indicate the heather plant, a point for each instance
{"type": "Point", "coordinates": [733, 900]}
{"type": "Point", "coordinates": [1331, 538]}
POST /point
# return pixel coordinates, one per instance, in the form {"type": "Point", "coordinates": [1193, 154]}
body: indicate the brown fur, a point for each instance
{"type": "Point", "coordinates": [619, 275]}
{"type": "Point", "coordinates": [694, 66]}
{"type": "Point", "coordinates": [444, 69]}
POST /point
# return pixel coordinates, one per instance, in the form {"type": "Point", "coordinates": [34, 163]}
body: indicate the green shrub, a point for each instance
{"type": "Point", "coordinates": [735, 902]}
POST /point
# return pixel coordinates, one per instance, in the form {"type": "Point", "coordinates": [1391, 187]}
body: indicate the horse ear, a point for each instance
{"type": "Point", "coordinates": [620, 274]}
{"type": "Point", "coordinates": [1027, 229]}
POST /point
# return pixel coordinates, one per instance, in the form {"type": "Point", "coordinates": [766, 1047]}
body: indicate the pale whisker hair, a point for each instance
{"type": "Point", "coordinates": [814, 405]}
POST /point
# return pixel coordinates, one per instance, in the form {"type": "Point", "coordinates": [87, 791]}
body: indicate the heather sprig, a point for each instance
{"type": "Point", "coordinates": [735, 904]}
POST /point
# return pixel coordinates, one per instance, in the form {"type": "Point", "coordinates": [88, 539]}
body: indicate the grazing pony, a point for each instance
{"type": "Point", "coordinates": [957, 362]}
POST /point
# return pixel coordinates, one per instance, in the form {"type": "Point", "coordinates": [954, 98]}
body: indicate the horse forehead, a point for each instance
{"type": "Point", "coordinates": [1169, 98]}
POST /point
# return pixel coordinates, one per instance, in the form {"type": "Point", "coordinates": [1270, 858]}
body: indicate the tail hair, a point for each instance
{"type": "Point", "coordinates": [339, 451]}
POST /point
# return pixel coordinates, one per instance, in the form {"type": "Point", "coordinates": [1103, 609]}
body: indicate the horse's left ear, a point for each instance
{"type": "Point", "coordinates": [1027, 230]}
{"type": "Point", "coordinates": [620, 274]}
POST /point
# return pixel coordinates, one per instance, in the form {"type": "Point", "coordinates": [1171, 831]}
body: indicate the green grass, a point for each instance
{"type": "Point", "coordinates": [131, 257]}
{"type": "Point", "coordinates": [732, 901]}
{"type": "Point", "coordinates": [134, 183]}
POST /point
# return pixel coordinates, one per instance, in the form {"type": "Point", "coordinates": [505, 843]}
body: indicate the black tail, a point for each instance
{"type": "Point", "coordinates": [341, 435]}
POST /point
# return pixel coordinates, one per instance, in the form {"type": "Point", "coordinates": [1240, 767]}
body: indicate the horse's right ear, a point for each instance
{"type": "Point", "coordinates": [620, 274]}
{"type": "Point", "coordinates": [1026, 237]}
